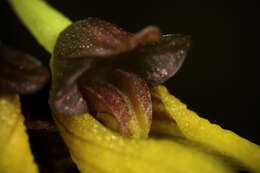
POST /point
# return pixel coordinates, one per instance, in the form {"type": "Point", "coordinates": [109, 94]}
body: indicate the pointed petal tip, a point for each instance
{"type": "Point", "coordinates": [147, 35]}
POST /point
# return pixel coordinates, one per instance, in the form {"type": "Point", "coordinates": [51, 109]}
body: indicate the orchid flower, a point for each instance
{"type": "Point", "coordinates": [110, 107]}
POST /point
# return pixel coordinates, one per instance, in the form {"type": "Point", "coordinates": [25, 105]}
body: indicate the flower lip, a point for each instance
{"type": "Point", "coordinates": [118, 96]}
{"type": "Point", "coordinates": [20, 73]}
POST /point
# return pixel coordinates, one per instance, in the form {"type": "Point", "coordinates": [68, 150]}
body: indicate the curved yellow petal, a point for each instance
{"type": "Point", "coordinates": [202, 131]}
{"type": "Point", "coordinates": [15, 153]}
{"type": "Point", "coordinates": [96, 149]}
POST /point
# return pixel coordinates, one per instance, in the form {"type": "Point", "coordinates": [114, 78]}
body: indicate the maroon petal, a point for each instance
{"type": "Point", "coordinates": [97, 38]}
{"type": "Point", "coordinates": [65, 97]}
{"type": "Point", "coordinates": [158, 61]}
{"type": "Point", "coordinates": [80, 47]}
{"type": "Point", "coordinates": [20, 73]}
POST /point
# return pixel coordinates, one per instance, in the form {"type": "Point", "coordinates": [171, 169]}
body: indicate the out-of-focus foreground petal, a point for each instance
{"type": "Point", "coordinates": [96, 149]}
{"type": "Point", "coordinates": [20, 73]}
{"type": "Point", "coordinates": [200, 130]}
{"type": "Point", "coordinates": [15, 153]}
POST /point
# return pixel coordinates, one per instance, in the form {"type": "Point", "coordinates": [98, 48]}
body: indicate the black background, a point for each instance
{"type": "Point", "coordinates": [219, 79]}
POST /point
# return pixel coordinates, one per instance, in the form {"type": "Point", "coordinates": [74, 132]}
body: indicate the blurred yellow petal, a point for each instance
{"type": "Point", "coordinates": [15, 153]}
{"type": "Point", "coordinates": [95, 149]}
{"type": "Point", "coordinates": [200, 130]}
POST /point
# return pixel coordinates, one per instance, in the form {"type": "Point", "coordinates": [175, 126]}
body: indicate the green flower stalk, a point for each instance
{"type": "Point", "coordinates": [94, 147]}
{"type": "Point", "coordinates": [44, 22]}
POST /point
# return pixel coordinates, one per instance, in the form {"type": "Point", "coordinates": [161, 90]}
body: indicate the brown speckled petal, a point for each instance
{"type": "Point", "coordinates": [65, 95]}
{"type": "Point", "coordinates": [97, 38]}
{"type": "Point", "coordinates": [20, 73]}
{"type": "Point", "coordinates": [158, 61]}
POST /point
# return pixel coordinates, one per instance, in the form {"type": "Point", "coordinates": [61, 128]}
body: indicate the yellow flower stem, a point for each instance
{"type": "Point", "coordinates": [15, 153]}
{"type": "Point", "coordinates": [200, 130]}
{"type": "Point", "coordinates": [43, 21]}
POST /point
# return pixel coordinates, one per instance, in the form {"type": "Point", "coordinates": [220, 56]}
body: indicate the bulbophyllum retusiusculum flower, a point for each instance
{"type": "Point", "coordinates": [101, 69]}
{"type": "Point", "coordinates": [19, 74]}
{"type": "Point", "coordinates": [106, 97]}
{"type": "Point", "coordinates": [101, 72]}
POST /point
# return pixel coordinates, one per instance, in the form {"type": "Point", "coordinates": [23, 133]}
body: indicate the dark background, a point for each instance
{"type": "Point", "coordinates": [219, 79]}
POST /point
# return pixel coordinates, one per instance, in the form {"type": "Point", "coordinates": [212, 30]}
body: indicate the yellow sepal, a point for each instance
{"type": "Point", "coordinates": [200, 130]}
{"type": "Point", "coordinates": [96, 149]}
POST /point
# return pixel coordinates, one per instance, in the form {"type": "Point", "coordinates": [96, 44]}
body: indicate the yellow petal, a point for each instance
{"type": "Point", "coordinates": [202, 131]}
{"type": "Point", "coordinates": [15, 153]}
{"type": "Point", "coordinates": [96, 149]}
